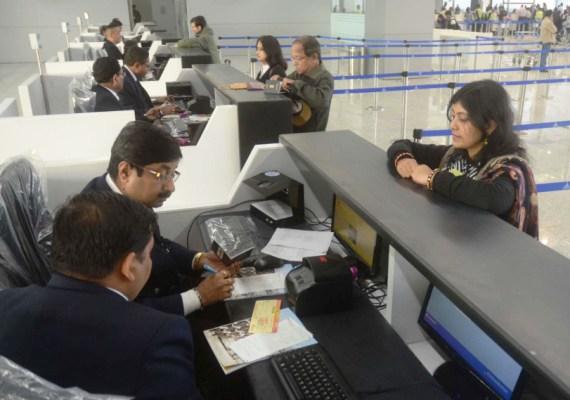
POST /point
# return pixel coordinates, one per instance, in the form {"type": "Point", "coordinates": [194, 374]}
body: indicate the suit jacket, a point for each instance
{"type": "Point", "coordinates": [112, 50]}
{"type": "Point", "coordinates": [105, 101]}
{"type": "Point", "coordinates": [170, 262]}
{"type": "Point", "coordinates": [77, 333]}
{"type": "Point", "coordinates": [273, 70]}
{"type": "Point", "coordinates": [135, 96]}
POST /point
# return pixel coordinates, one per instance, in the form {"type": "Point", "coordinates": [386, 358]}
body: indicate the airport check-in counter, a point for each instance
{"type": "Point", "coordinates": [509, 284]}
{"type": "Point", "coordinates": [262, 117]}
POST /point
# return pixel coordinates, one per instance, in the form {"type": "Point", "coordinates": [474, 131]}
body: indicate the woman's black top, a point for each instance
{"type": "Point", "coordinates": [273, 70]}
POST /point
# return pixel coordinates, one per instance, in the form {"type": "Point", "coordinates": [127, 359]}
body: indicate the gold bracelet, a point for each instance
{"type": "Point", "coordinates": [401, 156]}
{"type": "Point", "coordinates": [429, 183]}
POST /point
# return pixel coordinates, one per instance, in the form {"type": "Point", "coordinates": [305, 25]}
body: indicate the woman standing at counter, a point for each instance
{"type": "Point", "coordinates": [269, 54]}
{"type": "Point", "coordinates": [486, 166]}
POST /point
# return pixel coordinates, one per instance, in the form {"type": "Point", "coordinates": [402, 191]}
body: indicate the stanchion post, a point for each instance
{"type": "Point", "coordinates": [522, 94]}
{"type": "Point", "coordinates": [338, 55]}
{"type": "Point", "coordinates": [417, 135]}
{"type": "Point", "coordinates": [220, 54]}
{"type": "Point", "coordinates": [501, 52]}
{"type": "Point", "coordinates": [451, 86]}
{"type": "Point", "coordinates": [495, 51]}
{"type": "Point", "coordinates": [407, 56]}
{"type": "Point", "coordinates": [440, 61]}
{"type": "Point", "coordinates": [376, 107]}
{"type": "Point", "coordinates": [476, 53]}
{"type": "Point", "coordinates": [247, 39]}
{"type": "Point", "coordinates": [404, 104]}
{"type": "Point", "coordinates": [252, 62]}
{"type": "Point", "coordinates": [457, 66]}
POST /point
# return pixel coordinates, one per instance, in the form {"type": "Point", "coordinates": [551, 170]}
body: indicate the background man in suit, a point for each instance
{"type": "Point", "coordinates": [136, 65]}
{"type": "Point", "coordinates": [109, 77]}
{"type": "Point", "coordinates": [112, 33]}
{"type": "Point", "coordinates": [143, 167]}
{"type": "Point", "coordinates": [82, 328]}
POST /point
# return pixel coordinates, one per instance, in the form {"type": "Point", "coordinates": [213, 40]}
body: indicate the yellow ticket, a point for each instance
{"type": "Point", "coordinates": [265, 317]}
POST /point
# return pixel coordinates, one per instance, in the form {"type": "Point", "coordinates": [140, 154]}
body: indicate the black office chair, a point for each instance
{"type": "Point", "coordinates": [25, 226]}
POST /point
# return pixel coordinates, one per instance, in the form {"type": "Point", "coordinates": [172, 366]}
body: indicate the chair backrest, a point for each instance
{"type": "Point", "coordinates": [19, 383]}
{"type": "Point", "coordinates": [25, 226]}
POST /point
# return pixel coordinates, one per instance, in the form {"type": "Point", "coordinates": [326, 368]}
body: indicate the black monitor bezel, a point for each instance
{"type": "Point", "coordinates": [379, 269]}
{"type": "Point", "coordinates": [451, 353]}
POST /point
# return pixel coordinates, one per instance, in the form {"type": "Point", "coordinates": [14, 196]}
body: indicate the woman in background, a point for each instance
{"type": "Point", "coordinates": [486, 166]}
{"type": "Point", "coordinates": [268, 52]}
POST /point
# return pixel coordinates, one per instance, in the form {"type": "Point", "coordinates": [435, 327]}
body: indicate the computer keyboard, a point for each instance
{"type": "Point", "coordinates": [309, 373]}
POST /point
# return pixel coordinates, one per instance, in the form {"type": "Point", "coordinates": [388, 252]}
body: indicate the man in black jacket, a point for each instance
{"type": "Point", "coordinates": [82, 329]}
{"type": "Point", "coordinates": [143, 167]}
{"type": "Point", "coordinates": [109, 77]}
{"type": "Point", "coordinates": [136, 65]}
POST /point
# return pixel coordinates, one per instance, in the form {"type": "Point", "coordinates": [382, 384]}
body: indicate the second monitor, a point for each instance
{"type": "Point", "coordinates": [352, 231]}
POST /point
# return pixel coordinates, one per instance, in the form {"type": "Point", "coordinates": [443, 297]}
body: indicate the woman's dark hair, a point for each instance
{"type": "Point", "coordinates": [142, 143]}
{"type": "Point", "coordinates": [94, 231]}
{"type": "Point", "coordinates": [487, 101]}
{"type": "Point", "coordinates": [310, 46]}
{"type": "Point", "coordinates": [272, 48]}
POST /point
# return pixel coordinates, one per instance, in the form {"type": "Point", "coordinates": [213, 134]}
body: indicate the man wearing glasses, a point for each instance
{"type": "Point", "coordinates": [310, 82]}
{"type": "Point", "coordinates": [143, 167]}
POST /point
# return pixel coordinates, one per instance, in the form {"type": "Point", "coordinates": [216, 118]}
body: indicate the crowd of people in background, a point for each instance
{"type": "Point", "coordinates": [496, 18]}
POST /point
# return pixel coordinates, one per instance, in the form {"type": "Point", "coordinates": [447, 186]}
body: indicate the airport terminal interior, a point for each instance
{"type": "Point", "coordinates": [395, 66]}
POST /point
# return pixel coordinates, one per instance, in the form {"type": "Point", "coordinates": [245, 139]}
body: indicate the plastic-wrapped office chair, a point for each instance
{"type": "Point", "coordinates": [82, 97]}
{"type": "Point", "coordinates": [17, 383]}
{"type": "Point", "coordinates": [25, 226]}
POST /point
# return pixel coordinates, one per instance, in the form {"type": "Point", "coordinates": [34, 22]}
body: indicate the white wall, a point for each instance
{"type": "Point", "coordinates": [20, 17]}
{"type": "Point", "coordinates": [259, 17]}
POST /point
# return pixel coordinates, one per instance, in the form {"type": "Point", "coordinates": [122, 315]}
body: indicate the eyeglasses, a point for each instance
{"type": "Point", "coordinates": [299, 59]}
{"type": "Point", "coordinates": [164, 177]}
{"type": "Point", "coordinates": [461, 117]}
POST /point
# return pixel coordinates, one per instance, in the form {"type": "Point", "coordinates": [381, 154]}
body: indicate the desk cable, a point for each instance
{"type": "Point", "coordinates": [375, 292]}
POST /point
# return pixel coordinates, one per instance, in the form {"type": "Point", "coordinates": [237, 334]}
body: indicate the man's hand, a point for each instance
{"type": "Point", "coordinates": [213, 261]}
{"type": "Point", "coordinates": [421, 174]}
{"type": "Point", "coordinates": [406, 167]}
{"type": "Point", "coordinates": [216, 288]}
{"type": "Point", "coordinates": [286, 84]}
{"type": "Point", "coordinates": [153, 113]}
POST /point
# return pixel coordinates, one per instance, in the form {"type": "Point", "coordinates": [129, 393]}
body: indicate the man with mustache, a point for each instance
{"type": "Point", "coordinates": [143, 167]}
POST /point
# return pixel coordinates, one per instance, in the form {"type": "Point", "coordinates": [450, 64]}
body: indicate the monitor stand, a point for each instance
{"type": "Point", "coordinates": [459, 383]}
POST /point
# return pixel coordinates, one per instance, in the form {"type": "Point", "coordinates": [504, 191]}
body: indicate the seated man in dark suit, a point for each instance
{"type": "Point", "coordinates": [112, 33]}
{"type": "Point", "coordinates": [136, 65]}
{"type": "Point", "coordinates": [109, 77]}
{"type": "Point", "coordinates": [143, 167]}
{"type": "Point", "coordinates": [82, 329]}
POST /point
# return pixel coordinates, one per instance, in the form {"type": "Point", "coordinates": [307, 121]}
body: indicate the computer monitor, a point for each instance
{"type": "Point", "coordinates": [361, 239]}
{"type": "Point", "coordinates": [463, 341]}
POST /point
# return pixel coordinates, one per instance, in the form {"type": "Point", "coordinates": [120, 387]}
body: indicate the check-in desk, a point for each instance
{"type": "Point", "coordinates": [262, 117]}
{"type": "Point", "coordinates": [192, 56]}
{"type": "Point", "coordinates": [510, 285]}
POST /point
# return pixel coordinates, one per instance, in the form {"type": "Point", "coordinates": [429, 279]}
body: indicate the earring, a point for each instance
{"type": "Point", "coordinates": [485, 142]}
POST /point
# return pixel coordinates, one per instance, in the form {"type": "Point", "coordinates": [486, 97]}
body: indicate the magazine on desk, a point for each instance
{"type": "Point", "coordinates": [235, 348]}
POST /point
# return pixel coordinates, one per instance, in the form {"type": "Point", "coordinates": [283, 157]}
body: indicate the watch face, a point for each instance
{"type": "Point", "coordinates": [272, 174]}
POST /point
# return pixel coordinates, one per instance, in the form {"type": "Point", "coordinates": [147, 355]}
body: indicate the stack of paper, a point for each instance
{"type": "Point", "coordinates": [295, 244]}
{"type": "Point", "coordinates": [235, 348]}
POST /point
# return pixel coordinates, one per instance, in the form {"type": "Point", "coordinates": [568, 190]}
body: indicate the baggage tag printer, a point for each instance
{"type": "Point", "coordinates": [285, 199]}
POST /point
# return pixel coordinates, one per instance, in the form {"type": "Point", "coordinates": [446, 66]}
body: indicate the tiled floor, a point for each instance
{"type": "Point", "coordinates": [549, 148]}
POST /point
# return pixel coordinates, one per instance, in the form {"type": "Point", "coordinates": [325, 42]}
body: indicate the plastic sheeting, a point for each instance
{"type": "Point", "coordinates": [17, 383]}
{"type": "Point", "coordinates": [25, 226]}
{"type": "Point", "coordinates": [82, 97]}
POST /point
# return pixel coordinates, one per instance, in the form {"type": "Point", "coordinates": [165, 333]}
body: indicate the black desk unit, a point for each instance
{"type": "Point", "coordinates": [261, 116]}
{"type": "Point", "coordinates": [374, 360]}
{"type": "Point", "coordinates": [192, 56]}
{"type": "Point", "coordinates": [512, 286]}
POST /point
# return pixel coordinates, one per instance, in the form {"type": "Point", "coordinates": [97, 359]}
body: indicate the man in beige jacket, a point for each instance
{"type": "Point", "coordinates": [547, 37]}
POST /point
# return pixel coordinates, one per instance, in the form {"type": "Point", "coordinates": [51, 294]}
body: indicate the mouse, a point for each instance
{"type": "Point", "coordinates": [264, 262]}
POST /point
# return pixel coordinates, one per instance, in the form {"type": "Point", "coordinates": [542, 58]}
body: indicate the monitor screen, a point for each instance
{"type": "Point", "coordinates": [464, 341]}
{"type": "Point", "coordinates": [356, 234]}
